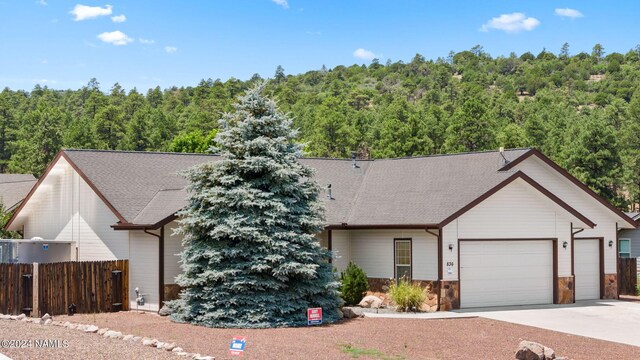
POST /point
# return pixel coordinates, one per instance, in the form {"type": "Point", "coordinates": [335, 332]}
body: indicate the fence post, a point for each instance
{"type": "Point", "coordinates": [35, 293]}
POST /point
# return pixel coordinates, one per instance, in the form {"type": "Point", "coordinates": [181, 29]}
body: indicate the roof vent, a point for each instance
{"type": "Point", "coordinates": [329, 192]}
{"type": "Point", "coordinates": [353, 160]}
{"type": "Point", "coordinates": [504, 159]}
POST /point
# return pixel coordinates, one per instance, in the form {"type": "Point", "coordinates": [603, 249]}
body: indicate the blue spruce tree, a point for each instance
{"type": "Point", "coordinates": [251, 258]}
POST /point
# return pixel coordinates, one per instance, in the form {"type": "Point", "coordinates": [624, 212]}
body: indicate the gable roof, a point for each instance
{"type": "Point", "coordinates": [145, 190]}
{"type": "Point", "coordinates": [14, 188]}
{"type": "Point", "coordinates": [571, 178]}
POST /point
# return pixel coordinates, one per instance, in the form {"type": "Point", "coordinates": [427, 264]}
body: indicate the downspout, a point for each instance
{"type": "Point", "coordinates": [573, 273]}
{"type": "Point", "coordinates": [160, 264]}
{"type": "Point", "coordinates": [439, 281]}
{"type": "Point", "coordinates": [330, 244]}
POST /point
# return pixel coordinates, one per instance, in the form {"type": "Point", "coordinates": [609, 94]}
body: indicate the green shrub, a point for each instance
{"type": "Point", "coordinates": [354, 284]}
{"type": "Point", "coordinates": [407, 296]}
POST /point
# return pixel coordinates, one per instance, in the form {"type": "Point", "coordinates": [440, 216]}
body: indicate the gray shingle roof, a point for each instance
{"type": "Point", "coordinates": [14, 188]}
{"type": "Point", "coordinates": [145, 188]}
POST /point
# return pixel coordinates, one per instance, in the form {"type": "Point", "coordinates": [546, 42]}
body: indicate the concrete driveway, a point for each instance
{"type": "Point", "coordinates": [611, 320]}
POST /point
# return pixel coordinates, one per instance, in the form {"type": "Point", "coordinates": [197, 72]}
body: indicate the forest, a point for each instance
{"type": "Point", "coordinates": [582, 110]}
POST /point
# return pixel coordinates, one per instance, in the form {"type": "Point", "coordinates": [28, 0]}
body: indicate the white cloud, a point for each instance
{"type": "Point", "coordinates": [283, 3]}
{"type": "Point", "coordinates": [146, 41]}
{"type": "Point", "coordinates": [42, 2]}
{"type": "Point", "coordinates": [84, 12]}
{"type": "Point", "coordinates": [511, 23]}
{"type": "Point", "coordinates": [115, 37]}
{"type": "Point", "coordinates": [119, 18]}
{"type": "Point", "coordinates": [364, 54]}
{"type": "Point", "coordinates": [566, 12]}
{"type": "Point", "coordinates": [170, 49]}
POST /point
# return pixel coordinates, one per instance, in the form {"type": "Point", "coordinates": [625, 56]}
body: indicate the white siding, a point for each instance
{"type": "Point", "coordinates": [373, 251]}
{"type": "Point", "coordinates": [65, 208]}
{"type": "Point", "coordinates": [341, 249]}
{"type": "Point", "coordinates": [587, 267]}
{"type": "Point", "coordinates": [579, 200]}
{"type": "Point", "coordinates": [516, 211]}
{"type": "Point", "coordinates": [172, 250]}
{"type": "Point", "coordinates": [143, 270]}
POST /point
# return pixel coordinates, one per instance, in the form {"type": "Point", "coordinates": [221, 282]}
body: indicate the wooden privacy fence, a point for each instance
{"type": "Point", "coordinates": [89, 286]}
{"type": "Point", "coordinates": [628, 276]}
{"type": "Point", "coordinates": [16, 286]}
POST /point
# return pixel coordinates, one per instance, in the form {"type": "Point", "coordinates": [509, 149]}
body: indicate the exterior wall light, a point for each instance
{"type": "Point", "coordinates": [565, 244]}
{"type": "Point", "coordinates": [610, 243]}
{"type": "Point", "coordinates": [451, 247]}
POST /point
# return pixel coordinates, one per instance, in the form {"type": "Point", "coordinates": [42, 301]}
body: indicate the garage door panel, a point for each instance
{"type": "Point", "coordinates": [587, 268]}
{"type": "Point", "coordinates": [497, 273]}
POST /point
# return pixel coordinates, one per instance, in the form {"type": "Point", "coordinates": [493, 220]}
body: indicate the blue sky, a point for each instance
{"type": "Point", "coordinates": [143, 43]}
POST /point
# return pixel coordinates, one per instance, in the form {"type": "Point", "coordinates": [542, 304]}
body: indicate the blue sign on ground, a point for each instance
{"type": "Point", "coordinates": [237, 346]}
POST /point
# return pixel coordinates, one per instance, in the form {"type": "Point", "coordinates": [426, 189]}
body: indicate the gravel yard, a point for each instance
{"type": "Point", "coordinates": [370, 338]}
{"type": "Point", "coordinates": [80, 345]}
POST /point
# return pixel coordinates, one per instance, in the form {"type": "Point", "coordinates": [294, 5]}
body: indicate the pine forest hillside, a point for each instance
{"type": "Point", "coordinates": [582, 110]}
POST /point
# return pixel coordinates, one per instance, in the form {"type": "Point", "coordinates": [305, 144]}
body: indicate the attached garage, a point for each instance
{"type": "Point", "coordinates": [587, 268]}
{"type": "Point", "coordinates": [506, 272]}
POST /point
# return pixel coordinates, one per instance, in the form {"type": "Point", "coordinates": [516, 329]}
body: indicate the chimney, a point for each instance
{"type": "Point", "coordinates": [353, 159]}
{"type": "Point", "coordinates": [329, 192]}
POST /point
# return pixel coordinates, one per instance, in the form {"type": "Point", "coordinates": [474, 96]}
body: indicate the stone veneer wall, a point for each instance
{"type": "Point", "coordinates": [565, 293]}
{"type": "Point", "coordinates": [378, 285]}
{"type": "Point", "coordinates": [449, 295]}
{"type": "Point", "coordinates": [610, 286]}
{"type": "Point", "coordinates": [171, 292]}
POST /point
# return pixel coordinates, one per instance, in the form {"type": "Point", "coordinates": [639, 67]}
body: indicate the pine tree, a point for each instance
{"type": "Point", "coordinates": [251, 258]}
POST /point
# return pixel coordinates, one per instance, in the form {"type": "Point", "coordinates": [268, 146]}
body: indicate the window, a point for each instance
{"type": "Point", "coordinates": [624, 248]}
{"type": "Point", "coordinates": [402, 256]}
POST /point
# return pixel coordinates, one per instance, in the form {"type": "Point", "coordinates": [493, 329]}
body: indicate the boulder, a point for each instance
{"type": "Point", "coordinates": [21, 316]}
{"type": "Point", "coordinates": [164, 311]}
{"type": "Point", "coordinates": [370, 301]}
{"type": "Point", "coordinates": [149, 342]}
{"type": "Point", "coordinates": [46, 317]}
{"type": "Point", "coordinates": [529, 350]}
{"type": "Point", "coordinates": [352, 312]}
{"type": "Point", "coordinates": [181, 353]}
{"type": "Point", "coordinates": [37, 321]}
{"type": "Point", "coordinates": [136, 338]}
{"type": "Point", "coordinates": [92, 329]}
{"type": "Point", "coordinates": [127, 337]}
{"type": "Point", "coordinates": [48, 322]}
{"type": "Point", "coordinates": [177, 350]}
{"type": "Point", "coordinates": [113, 334]}
{"type": "Point", "coordinates": [159, 344]}
{"type": "Point", "coordinates": [5, 317]}
{"type": "Point", "coordinates": [102, 331]}
{"type": "Point", "coordinates": [169, 346]}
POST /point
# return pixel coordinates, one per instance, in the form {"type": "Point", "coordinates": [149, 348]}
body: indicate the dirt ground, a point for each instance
{"type": "Point", "coordinates": [368, 338]}
{"type": "Point", "coordinates": [68, 344]}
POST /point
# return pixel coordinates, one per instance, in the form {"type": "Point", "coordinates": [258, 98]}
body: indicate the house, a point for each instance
{"type": "Point", "coordinates": [629, 240]}
{"type": "Point", "coordinates": [479, 229]}
{"type": "Point", "coordinates": [13, 189]}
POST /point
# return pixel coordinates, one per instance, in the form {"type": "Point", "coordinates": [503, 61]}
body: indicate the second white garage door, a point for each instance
{"type": "Point", "coordinates": [587, 268]}
{"type": "Point", "coordinates": [501, 273]}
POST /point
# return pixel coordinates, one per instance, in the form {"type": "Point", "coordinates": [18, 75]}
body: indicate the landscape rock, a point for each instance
{"type": "Point", "coordinates": [127, 337]}
{"type": "Point", "coordinates": [159, 344]}
{"type": "Point", "coordinates": [529, 350]}
{"type": "Point", "coordinates": [169, 346]}
{"type": "Point", "coordinates": [37, 321]}
{"type": "Point", "coordinates": [48, 322]}
{"type": "Point", "coordinates": [177, 350]}
{"type": "Point", "coordinates": [5, 317]}
{"type": "Point", "coordinates": [370, 301]}
{"type": "Point", "coordinates": [200, 357]}
{"type": "Point", "coordinates": [21, 316]}
{"type": "Point", "coordinates": [149, 342]}
{"type": "Point", "coordinates": [136, 338]}
{"type": "Point", "coordinates": [352, 312]}
{"type": "Point", "coordinates": [72, 326]}
{"type": "Point", "coordinates": [102, 331]}
{"type": "Point", "coordinates": [13, 317]}
{"type": "Point", "coordinates": [46, 317]}
{"type": "Point", "coordinates": [91, 329]}
{"type": "Point", "coordinates": [164, 311]}
{"type": "Point", "coordinates": [182, 353]}
{"type": "Point", "coordinates": [113, 334]}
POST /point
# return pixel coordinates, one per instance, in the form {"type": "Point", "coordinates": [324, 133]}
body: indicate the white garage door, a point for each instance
{"type": "Point", "coordinates": [500, 273]}
{"type": "Point", "coordinates": [586, 259]}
